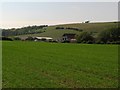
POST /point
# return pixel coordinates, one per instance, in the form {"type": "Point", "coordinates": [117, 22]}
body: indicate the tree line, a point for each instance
{"type": "Point", "coordinates": [69, 28]}
{"type": "Point", "coordinates": [111, 36]}
{"type": "Point", "coordinates": [25, 30]}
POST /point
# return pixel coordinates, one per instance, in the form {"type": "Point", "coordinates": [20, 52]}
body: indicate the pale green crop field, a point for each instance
{"type": "Point", "coordinates": [59, 65]}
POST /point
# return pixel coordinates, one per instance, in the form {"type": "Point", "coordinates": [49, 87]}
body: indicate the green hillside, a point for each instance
{"type": "Point", "coordinates": [95, 28]}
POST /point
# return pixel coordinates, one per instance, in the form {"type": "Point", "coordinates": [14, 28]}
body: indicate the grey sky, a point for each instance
{"type": "Point", "coordinates": [18, 14]}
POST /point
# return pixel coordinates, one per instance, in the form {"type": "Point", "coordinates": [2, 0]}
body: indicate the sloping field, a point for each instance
{"type": "Point", "coordinates": [53, 65]}
{"type": "Point", "coordinates": [96, 28]}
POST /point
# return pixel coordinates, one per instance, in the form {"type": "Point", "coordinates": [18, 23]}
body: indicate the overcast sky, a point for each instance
{"type": "Point", "coordinates": [19, 14]}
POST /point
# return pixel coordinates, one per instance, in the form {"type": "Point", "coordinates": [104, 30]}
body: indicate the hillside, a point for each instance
{"type": "Point", "coordinates": [94, 28]}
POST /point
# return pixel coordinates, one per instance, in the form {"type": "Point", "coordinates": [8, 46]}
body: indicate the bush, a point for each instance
{"type": "Point", "coordinates": [59, 27]}
{"type": "Point", "coordinates": [7, 39]}
{"type": "Point", "coordinates": [85, 37]}
{"type": "Point", "coordinates": [87, 21]}
{"type": "Point", "coordinates": [17, 38]}
{"type": "Point", "coordinates": [110, 36]}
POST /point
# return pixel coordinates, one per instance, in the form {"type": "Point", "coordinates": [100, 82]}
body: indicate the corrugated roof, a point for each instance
{"type": "Point", "coordinates": [44, 38]}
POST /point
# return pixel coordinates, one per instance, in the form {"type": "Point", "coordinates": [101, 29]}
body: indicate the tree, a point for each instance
{"type": "Point", "coordinates": [104, 36]}
{"type": "Point", "coordinates": [87, 21]}
{"type": "Point", "coordinates": [85, 37]}
{"type": "Point", "coordinates": [109, 36]}
{"type": "Point", "coordinates": [23, 30]}
{"type": "Point", "coordinates": [7, 38]}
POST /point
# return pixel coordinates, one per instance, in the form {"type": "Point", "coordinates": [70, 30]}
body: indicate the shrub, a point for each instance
{"type": "Point", "coordinates": [85, 37]}
{"type": "Point", "coordinates": [7, 39]}
{"type": "Point", "coordinates": [17, 38]}
{"type": "Point", "coordinates": [59, 27]}
{"type": "Point", "coordinates": [110, 35]}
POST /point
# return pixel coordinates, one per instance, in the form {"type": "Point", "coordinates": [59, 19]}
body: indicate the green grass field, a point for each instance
{"type": "Point", "coordinates": [57, 65]}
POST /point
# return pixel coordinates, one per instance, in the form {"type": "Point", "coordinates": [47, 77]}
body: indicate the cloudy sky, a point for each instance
{"type": "Point", "coordinates": [19, 14]}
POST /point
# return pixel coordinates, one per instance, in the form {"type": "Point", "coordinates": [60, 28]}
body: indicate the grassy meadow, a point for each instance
{"type": "Point", "coordinates": [59, 65]}
{"type": "Point", "coordinates": [95, 28]}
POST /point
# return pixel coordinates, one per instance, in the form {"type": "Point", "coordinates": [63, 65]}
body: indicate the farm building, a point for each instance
{"type": "Point", "coordinates": [68, 37]}
{"type": "Point", "coordinates": [48, 39]}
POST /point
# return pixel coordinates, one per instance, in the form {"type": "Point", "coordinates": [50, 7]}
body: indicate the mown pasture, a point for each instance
{"type": "Point", "coordinates": [57, 65]}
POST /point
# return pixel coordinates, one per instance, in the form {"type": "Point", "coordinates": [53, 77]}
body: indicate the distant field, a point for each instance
{"type": "Point", "coordinates": [53, 65]}
{"type": "Point", "coordinates": [96, 28]}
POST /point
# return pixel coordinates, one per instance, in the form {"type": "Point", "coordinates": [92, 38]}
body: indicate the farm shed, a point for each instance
{"type": "Point", "coordinates": [67, 37]}
{"type": "Point", "coordinates": [43, 39]}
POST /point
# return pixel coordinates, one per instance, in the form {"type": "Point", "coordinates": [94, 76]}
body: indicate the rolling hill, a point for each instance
{"type": "Point", "coordinates": [94, 28]}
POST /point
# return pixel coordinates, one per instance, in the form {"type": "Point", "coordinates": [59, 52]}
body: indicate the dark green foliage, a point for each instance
{"type": "Point", "coordinates": [17, 38]}
{"type": "Point", "coordinates": [24, 30]}
{"type": "Point", "coordinates": [7, 39]}
{"type": "Point", "coordinates": [59, 27]}
{"type": "Point", "coordinates": [110, 36]}
{"type": "Point", "coordinates": [87, 21]}
{"type": "Point", "coordinates": [85, 37]}
{"type": "Point", "coordinates": [69, 28]}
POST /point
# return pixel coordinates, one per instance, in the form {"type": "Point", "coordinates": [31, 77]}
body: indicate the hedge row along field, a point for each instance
{"type": "Point", "coordinates": [57, 65]}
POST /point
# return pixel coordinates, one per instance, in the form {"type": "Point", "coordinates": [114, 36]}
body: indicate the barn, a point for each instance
{"type": "Point", "coordinates": [68, 37]}
{"type": "Point", "coordinates": [47, 39]}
